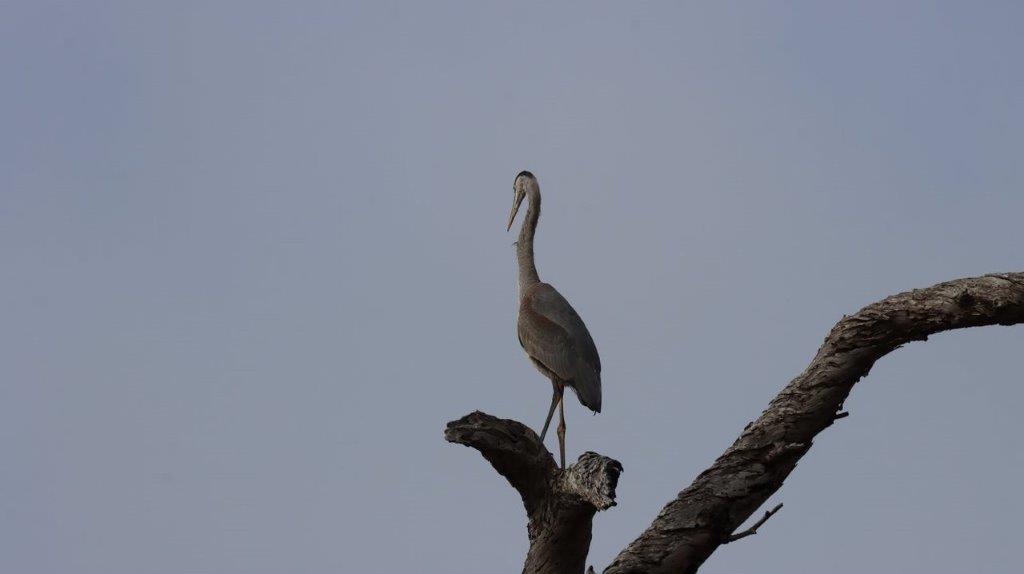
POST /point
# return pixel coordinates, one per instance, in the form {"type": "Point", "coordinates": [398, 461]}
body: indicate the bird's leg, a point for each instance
{"type": "Point", "coordinates": [556, 395]}
{"type": "Point", "coordinates": [561, 428]}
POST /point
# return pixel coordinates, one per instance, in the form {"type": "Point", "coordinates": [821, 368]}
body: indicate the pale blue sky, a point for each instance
{"type": "Point", "coordinates": [252, 258]}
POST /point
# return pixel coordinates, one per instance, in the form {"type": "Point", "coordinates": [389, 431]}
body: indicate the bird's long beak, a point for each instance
{"type": "Point", "coordinates": [515, 208]}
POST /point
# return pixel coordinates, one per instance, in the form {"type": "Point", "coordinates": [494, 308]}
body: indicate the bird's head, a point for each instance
{"type": "Point", "coordinates": [524, 182]}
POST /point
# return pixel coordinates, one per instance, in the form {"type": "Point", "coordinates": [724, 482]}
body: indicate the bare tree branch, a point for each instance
{"type": "Point", "coordinates": [561, 504]}
{"type": "Point", "coordinates": [753, 529]}
{"type": "Point", "coordinates": [689, 528]}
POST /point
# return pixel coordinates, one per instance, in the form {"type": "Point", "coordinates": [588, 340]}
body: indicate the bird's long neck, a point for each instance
{"type": "Point", "coordinates": [524, 247]}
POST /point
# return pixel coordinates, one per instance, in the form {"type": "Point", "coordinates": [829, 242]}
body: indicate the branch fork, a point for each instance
{"type": "Point", "coordinates": [561, 504]}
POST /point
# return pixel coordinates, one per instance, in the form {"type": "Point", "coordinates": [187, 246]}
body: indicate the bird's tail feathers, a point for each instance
{"type": "Point", "coordinates": [589, 392]}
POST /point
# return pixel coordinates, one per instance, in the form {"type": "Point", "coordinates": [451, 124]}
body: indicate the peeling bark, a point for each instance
{"type": "Point", "coordinates": [561, 504]}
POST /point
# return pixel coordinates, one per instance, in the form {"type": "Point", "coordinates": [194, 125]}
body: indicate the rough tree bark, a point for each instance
{"type": "Point", "coordinates": [561, 504]}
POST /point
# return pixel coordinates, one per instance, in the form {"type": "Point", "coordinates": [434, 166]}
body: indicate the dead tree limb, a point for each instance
{"type": "Point", "coordinates": [689, 528]}
{"type": "Point", "coordinates": [705, 514]}
{"type": "Point", "coordinates": [753, 529]}
{"type": "Point", "coordinates": [560, 504]}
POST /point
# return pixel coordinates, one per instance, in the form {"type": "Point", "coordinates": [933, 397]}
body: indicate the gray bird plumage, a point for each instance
{"type": "Point", "coordinates": [554, 336]}
{"type": "Point", "coordinates": [550, 331]}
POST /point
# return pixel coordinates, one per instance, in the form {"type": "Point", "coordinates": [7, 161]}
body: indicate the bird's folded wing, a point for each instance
{"type": "Point", "coordinates": [545, 301]}
{"type": "Point", "coordinates": [547, 342]}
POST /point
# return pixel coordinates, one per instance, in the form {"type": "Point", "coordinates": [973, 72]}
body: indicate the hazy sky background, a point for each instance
{"type": "Point", "coordinates": [253, 257]}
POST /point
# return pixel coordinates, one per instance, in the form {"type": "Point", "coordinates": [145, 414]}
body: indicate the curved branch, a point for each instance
{"type": "Point", "coordinates": [689, 528]}
{"type": "Point", "coordinates": [560, 504]}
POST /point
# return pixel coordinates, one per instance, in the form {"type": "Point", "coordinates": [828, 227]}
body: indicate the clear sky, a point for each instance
{"type": "Point", "coordinates": [253, 257]}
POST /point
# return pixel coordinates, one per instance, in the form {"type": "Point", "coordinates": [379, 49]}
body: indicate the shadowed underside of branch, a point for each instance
{"type": "Point", "coordinates": [705, 514]}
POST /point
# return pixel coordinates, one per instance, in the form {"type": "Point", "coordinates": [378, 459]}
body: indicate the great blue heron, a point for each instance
{"type": "Point", "coordinates": [550, 330]}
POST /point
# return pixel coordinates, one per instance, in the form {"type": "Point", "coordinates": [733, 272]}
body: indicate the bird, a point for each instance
{"type": "Point", "coordinates": [550, 331]}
